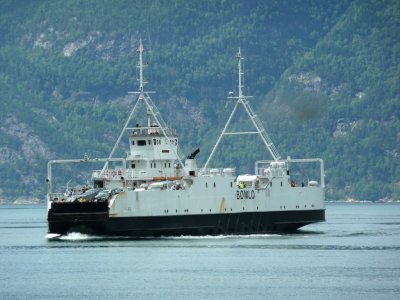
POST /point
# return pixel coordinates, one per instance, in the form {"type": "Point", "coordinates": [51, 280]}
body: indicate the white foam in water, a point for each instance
{"type": "Point", "coordinates": [73, 236]}
{"type": "Point", "coordinates": [50, 236]}
{"type": "Point", "coordinates": [76, 236]}
{"type": "Point", "coordinates": [182, 237]}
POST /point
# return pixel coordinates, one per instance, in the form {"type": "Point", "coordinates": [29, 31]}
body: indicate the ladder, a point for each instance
{"type": "Point", "coordinates": [260, 130]}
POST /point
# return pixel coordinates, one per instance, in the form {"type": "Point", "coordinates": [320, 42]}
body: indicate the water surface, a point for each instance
{"type": "Point", "coordinates": [355, 254]}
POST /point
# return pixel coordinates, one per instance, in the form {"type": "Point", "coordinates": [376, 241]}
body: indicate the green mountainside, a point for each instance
{"type": "Point", "coordinates": [324, 76]}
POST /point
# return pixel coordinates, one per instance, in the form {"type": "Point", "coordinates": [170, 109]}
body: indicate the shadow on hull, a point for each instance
{"type": "Point", "coordinates": [92, 218]}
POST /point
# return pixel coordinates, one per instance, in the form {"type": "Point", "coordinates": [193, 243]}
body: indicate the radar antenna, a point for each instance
{"type": "Point", "coordinates": [243, 100]}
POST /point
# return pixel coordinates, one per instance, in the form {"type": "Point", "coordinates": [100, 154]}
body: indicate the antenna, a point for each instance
{"type": "Point", "coordinates": [241, 74]}
{"type": "Point", "coordinates": [140, 66]}
{"type": "Point", "coordinates": [242, 100]}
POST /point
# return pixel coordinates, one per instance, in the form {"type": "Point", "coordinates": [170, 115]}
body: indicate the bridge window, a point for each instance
{"type": "Point", "coordinates": [149, 142]}
{"type": "Point", "coordinates": [141, 142]}
{"type": "Point", "coordinates": [133, 142]}
{"type": "Point", "coordinates": [133, 166]}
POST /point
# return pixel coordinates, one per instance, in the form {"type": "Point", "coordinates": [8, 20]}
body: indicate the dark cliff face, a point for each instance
{"type": "Point", "coordinates": [324, 76]}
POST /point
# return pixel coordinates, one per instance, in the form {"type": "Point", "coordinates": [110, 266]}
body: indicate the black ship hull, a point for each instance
{"type": "Point", "coordinates": [93, 218]}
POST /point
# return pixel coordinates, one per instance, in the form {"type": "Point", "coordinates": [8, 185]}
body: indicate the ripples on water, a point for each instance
{"type": "Point", "coordinates": [355, 254]}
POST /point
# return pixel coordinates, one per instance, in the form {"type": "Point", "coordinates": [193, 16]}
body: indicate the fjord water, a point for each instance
{"type": "Point", "coordinates": [355, 254]}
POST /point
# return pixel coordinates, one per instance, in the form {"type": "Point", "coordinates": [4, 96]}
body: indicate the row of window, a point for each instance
{"type": "Point", "coordinates": [155, 142]}
{"type": "Point", "coordinates": [153, 165]}
{"type": "Point", "coordinates": [143, 142]}
{"type": "Point", "coordinates": [216, 185]}
{"type": "Point", "coordinates": [202, 210]}
{"type": "Point", "coordinates": [166, 165]}
{"type": "Point", "coordinates": [305, 206]}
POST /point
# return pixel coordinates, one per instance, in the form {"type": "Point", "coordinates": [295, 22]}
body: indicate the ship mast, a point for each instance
{"type": "Point", "coordinates": [242, 100]}
{"type": "Point", "coordinates": [152, 111]}
{"type": "Point", "coordinates": [141, 80]}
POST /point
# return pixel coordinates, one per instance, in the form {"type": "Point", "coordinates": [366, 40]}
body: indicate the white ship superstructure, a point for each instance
{"type": "Point", "coordinates": [155, 191]}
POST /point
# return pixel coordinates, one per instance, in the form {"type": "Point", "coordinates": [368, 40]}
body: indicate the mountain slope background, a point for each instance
{"type": "Point", "coordinates": [324, 76]}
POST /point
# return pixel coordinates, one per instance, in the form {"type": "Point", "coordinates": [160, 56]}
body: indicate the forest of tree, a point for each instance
{"type": "Point", "coordinates": [324, 76]}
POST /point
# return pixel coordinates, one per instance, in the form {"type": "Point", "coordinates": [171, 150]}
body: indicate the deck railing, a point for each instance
{"type": "Point", "coordinates": [261, 165]}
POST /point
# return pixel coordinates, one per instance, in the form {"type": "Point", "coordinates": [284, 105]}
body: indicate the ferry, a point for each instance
{"type": "Point", "coordinates": [156, 191]}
